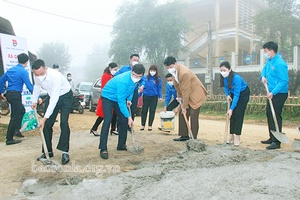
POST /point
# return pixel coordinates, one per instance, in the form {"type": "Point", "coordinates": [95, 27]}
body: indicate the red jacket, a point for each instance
{"type": "Point", "coordinates": [104, 79]}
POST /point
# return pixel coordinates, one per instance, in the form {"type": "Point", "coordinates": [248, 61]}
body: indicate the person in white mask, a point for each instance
{"type": "Point", "coordinates": [275, 75]}
{"type": "Point", "coordinates": [152, 92]}
{"type": "Point", "coordinates": [191, 93]}
{"type": "Point", "coordinates": [108, 74]}
{"type": "Point", "coordinates": [134, 59]}
{"type": "Point", "coordinates": [170, 94]}
{"type": "Point", "coordinates": [61, 98]}
{"type": "Point", "coordinates": [116, 95]}
{"type": "Point", "coordinates": [237, 95]}
{"type": "Point", "coordinates": [71, 82]}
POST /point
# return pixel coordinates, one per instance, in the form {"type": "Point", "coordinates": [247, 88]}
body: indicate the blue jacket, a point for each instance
{"type": "Point", "coordinates": [123, 69]}
{"type": "Point", "coordinates": [276, 73]}
{"type": "Point", "coordinates": [151, 87]}
{"type": "Point", "coordinates": [238, 85]}
{"type": "Point", "coordinates": [16, 77]}
{"type": "Point", "coordinates": [120, 89]}
{"type": "Point", "coordinates": [127, 68]}
{"type": "Point", "coordinates": [170, 91]}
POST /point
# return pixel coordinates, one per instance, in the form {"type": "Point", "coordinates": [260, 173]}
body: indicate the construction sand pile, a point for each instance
{"type": "Point", "coordinates": [218, 172]}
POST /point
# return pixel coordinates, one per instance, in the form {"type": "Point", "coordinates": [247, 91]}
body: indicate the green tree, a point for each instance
{"type": "Point", "coordinates": [149, 29]}
{"type": "Point", "coordinates": [55, 53]}
{"type": "Point", "coordinates": [280, 23]}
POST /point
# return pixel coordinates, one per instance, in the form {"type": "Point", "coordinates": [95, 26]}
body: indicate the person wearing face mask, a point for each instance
{"type": "Point", "coordinates": [151, 94]}
{"type": "Point", "coordinates": [237, 94]}
{"type": "Point", "coordinates": [275, 75]}
{"type": "Point", "coordinates": [61, 99]}
{"type": "Point", "coordinates": [170, 93]}
{"type": "Point", "coordinates": [16, 77]}
{"type": "Point", "coordinates": [107, 75]}
{"type": "Point", "coordinates": [191, 93]}
{"type": "Point", "coordinates": [116, 95]}
{"type": "Point", "coordinates": [134, 59]}
{"type": "Point", "coordinates": [69, 78]}
{"type": "Point", "coordinates": [56, 67]}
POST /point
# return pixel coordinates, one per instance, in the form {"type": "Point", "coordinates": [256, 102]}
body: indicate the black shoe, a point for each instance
{"type": "Point", "coordinates": [114, 132]}
{"type": "Point", "coordinates": [18, 134]}
{"type": "Point", "coordinates": [273, 145]}
{"type": "Point", "coordinates": [122, 148]}
{"type": "Point", "coordinates": [268, 141]}
{"type": "Point", "coordinates": [182, 138]}
{"type": "Point", "coordinates": [104, 154]}
{"type": "Point", "coordinates": [43, 156]}
{"type": "Point", "coordinates": [65, 158]}
{"type": "Point", "coordinates": [94, 133]}
{"type": "Point", "coordinates": [10, 142]}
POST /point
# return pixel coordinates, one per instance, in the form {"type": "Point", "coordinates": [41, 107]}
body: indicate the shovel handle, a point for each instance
{"type": "Point", "coordinates": [131, 129]}
{"type": "Point", "coordinates": [272, 108]}
{"type": "Point", "coordinates": [42, 137]}
{"type": "Point", "coordinates": [227, 122]}
{"type": "Point", "coordinates": [187, 122]}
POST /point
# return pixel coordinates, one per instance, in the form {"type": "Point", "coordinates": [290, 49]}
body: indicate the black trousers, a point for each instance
{"type": "Point", "coordinates": [100, 119]}
{"type": "Point", "coordinates": [14, 98]}
{"type": "Point", "coordinates": [237, 118]}
{"type": "Point", "coordinates": [172, 105]}
{"type": "Point", "coordinates": [134, 103]}
{"type": "Point", "coordinates": [278, 103]}
{"type": "Point", "coordinates": [122, 123]}
{"type": "Point", "coordinates": [149, 103]}
{"type": "Point", "coordinates": [64, 105]}
{"type": "Point", "coordinates": [193, 118]}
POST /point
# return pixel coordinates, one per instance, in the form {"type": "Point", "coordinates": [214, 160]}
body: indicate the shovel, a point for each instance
{"type": "Point", "coordinates": [278, 135]}
{"type": "Point", "coordinates": [296, 142]}
{"type": "Point", "coordinates": [226, 125]}
{"type": "Point", "coordinates": [193, 144]}
{"type": "Point", "coordinates": [136, 150]}
{"type": "Point", "coordinates": [52, 164]}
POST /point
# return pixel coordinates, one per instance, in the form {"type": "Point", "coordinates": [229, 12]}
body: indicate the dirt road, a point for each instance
{"type": "Point", "coordinates": [20, 171]}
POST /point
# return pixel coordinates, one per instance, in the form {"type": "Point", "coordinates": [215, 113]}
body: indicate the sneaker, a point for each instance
{"type": "Point", "coordinates": [104, 154]}
{"type": "Point", "coordinates": [43, 156]}
{"type": "Point", "coordinates": [122, 148]}
{"type": "Point", "coordinates": [182, 138]}
{"type": "Point", "coordinates": [273, 145]}
{"type": "Point", "coordinates": [268, 141]}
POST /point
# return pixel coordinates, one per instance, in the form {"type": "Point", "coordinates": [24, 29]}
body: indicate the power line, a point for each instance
{"type": "Point", "coordinates": [62, 16]}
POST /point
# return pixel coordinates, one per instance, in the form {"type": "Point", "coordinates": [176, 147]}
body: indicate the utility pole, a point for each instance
{"type": "Point", "coordinates": [208, 75]}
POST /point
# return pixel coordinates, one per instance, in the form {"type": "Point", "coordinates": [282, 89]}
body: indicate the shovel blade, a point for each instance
{"type": "Point", "coordinates": [296, 144]}
{"type": "Point", "coordinates": [136, 150]}
{"type": "Point", "coordinates": [281, 137]}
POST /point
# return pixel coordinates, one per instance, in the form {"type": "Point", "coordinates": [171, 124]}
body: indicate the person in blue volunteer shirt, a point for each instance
{"type": "Point", "coordinates": [16, 77]}
{"type": "Point", "coordinates": [170, 94]}
{"type": "Point", "coordinates": [151, 94]}
{"type": "Point", "coordinates": [117, 94]}
{"type": "Point", "coordinates": [134, 59]}
{"type": "Point", "coordinates": [275, 74]}
{"type": "Point", "coordinates": [237, 94]}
